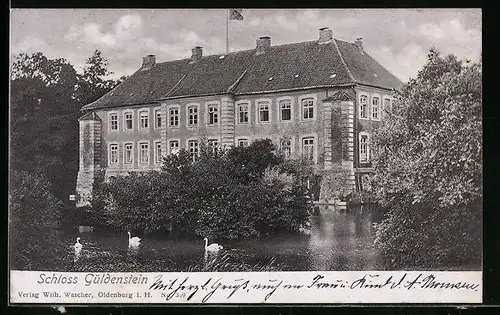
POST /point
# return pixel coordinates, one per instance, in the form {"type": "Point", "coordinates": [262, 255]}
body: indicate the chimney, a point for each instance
{"type": "Point", "coordinates": [359, 43]}
{"type": "Point", "coordinates": [148, 61]}
{"type": "Point", "coordinates": [263, 45]}
{"type": "Point", "coordinates": [325, 35]}
{"type": "Point", "coordinates": [196, 53]}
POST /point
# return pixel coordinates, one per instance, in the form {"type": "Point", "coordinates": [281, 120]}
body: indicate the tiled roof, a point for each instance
{"type": "Point", "coordinates": [283, 67]}
{"type": "Point", "coordinates": [365, 69]}
{"type": "Point", "coordinates": [340, 96]}
{"type": "Point", "coordinates": [89, 116]}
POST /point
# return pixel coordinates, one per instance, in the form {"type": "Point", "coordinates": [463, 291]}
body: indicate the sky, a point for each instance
{"type": "Point", "coordinates": [399, 39]}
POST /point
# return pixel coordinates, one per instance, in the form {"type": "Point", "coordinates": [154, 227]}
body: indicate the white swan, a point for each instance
{"type": "Point", "coordinates": [78, 246]}
{"type": "Point", "coordinates": [133, 241]}
{"type": "Point", "coordinates": [214, 248]}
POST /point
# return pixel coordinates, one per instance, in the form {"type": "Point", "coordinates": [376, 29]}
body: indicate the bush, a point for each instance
{"type": "Point", "coordinates": [34, 230]}
{"type": "Point", "coordinates": [222, 195]}
{"type": "Point", "coordinates": [428, 168]}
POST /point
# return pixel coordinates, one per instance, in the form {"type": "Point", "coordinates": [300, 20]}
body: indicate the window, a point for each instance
{"type": "Point", "coordinates": [243, 114]}
{"type": "Point", "coordinates": [144, 153]}
{"type": "Point", "coordinates": [286, 110]}
{"type": "Point", "coordinates": [129, 121]}
{"type": "Point", "coordinates": [308, 148]}
{"type": "Point", "coordinates": [113, 121]}
{"type": "Point", "coordinates": [213, 145]}
{"type": "Point", "coordinates": [286, 148]}
{"type": "Point", "coordinates": [158, 120]}
{"type": "Point", "coordinates": [144, 120]}
{"type": "Point", "coordinates": [113, 153]}
{"type": "Point", "coordinates": [193, 149]}
{"type": "Point", "coordinates": [213, 114]}
{"type": "Point", "coordinates": [243, 142]}
{"type": "Point", "coordinates": [363, 108]}
{"type": "Point", "coordinates": [364, 148]}
{"type": "Point", "coordinates": [158, 152]}
{"type": "Point", "coordinates": [192, 116]}
{"type": "Point", "coordinates": [174, 117]}
{"type": "Point", "coordinates": [375, 108]}
{"type": "Point", "coordinates": [174, 147]}
{"type": "Point", "coordinates": [308, 108]}
{"type": "Point", "coordinates": [263, 111]}
{"type": "Point", "coordinates": [128, 153]}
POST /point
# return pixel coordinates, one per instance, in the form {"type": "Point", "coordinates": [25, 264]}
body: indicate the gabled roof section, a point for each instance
{"type": "Point", "coordinates": [364, 69]}
{"type": "Point", "coordinates": [293, 66]}
{"type": "Point", "coordinates": [284, 67]}
{"type": "Point", "coordinates": [340, 96]}
{"type": "Point", "coordinates": [144, 86]}
{"type": "Point", "coordinates": [89, 116]}
{"type": "Point", "coordinates": [212, 75]}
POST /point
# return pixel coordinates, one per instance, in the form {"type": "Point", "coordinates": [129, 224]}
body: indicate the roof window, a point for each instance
{"type": "Point", "coordinates": [333, 75]}
{"type": "Point", "coordinates": [270, 79]}
{"type": "Point", "coordinates": [296, 75]}
{"type": "Point", "coordinates": [222, 57]}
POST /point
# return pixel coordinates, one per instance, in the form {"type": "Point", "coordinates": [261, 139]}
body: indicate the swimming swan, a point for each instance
{"type": "Point", "coordinates": [214, 248]}
{"type": "Point", "coordinates": [78, 246]}
{"type": "Point", "coordinates": [133, 241]}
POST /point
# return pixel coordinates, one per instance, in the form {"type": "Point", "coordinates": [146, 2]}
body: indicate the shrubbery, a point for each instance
{"type": "Point", "coordinates": [34, 231]}
{"type": "Point", "coordinates": [244, 192]}
{"type": "Point", "coordinates": [428, 169]}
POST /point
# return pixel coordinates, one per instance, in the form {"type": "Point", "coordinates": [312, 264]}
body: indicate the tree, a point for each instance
{"type": "Point", "coordinates": [428, 169]}
{"type": "Point", "coordinates": [95, 81]}
{"type": "Point", "coordinates": [46, 98]}
{"type": "Point", "coordinates": [34, 234]}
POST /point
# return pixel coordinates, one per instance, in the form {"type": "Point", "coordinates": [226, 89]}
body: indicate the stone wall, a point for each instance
{"type": "Point", "coordinates": [90, 155]}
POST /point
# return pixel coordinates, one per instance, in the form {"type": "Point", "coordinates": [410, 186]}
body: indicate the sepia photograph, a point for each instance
{"type": "Point", "coordinates": [256, 141]}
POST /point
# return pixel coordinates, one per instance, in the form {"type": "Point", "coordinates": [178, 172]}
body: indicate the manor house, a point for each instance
{"type": "Point", "coordinates": [318, 100]}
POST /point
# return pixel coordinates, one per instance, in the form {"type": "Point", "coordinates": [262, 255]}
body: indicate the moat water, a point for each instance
{"type": "Point", "coordinates": [335, 241]}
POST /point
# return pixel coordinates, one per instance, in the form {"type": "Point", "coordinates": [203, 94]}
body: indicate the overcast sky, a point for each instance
{"type": "Point", "coordinates": [398, 39]}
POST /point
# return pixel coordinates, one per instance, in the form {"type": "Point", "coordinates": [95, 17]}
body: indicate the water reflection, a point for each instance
{"type": "Point", "coordinates": [335, 241]}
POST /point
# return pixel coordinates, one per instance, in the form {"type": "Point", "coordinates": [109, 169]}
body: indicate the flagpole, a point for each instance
{"type": "Point", "coordinates": [227, 32]}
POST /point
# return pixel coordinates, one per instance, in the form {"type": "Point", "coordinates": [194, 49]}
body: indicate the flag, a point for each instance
{"type": "Point", "coordinates": [235, 14]}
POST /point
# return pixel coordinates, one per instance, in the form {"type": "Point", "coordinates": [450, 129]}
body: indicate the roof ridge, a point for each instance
{"type": "Point", "coordinates": [238, 51]}
{"type": "Point", "coordinates": [343, 61]}
{"type": "Point", "coordinates": [233, 86]}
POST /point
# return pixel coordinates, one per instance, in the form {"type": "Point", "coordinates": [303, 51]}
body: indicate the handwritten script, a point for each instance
{"type": "Point", "coordinates": [247, 287]}
{"type": "Point", "coordinates": [182, 287]}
